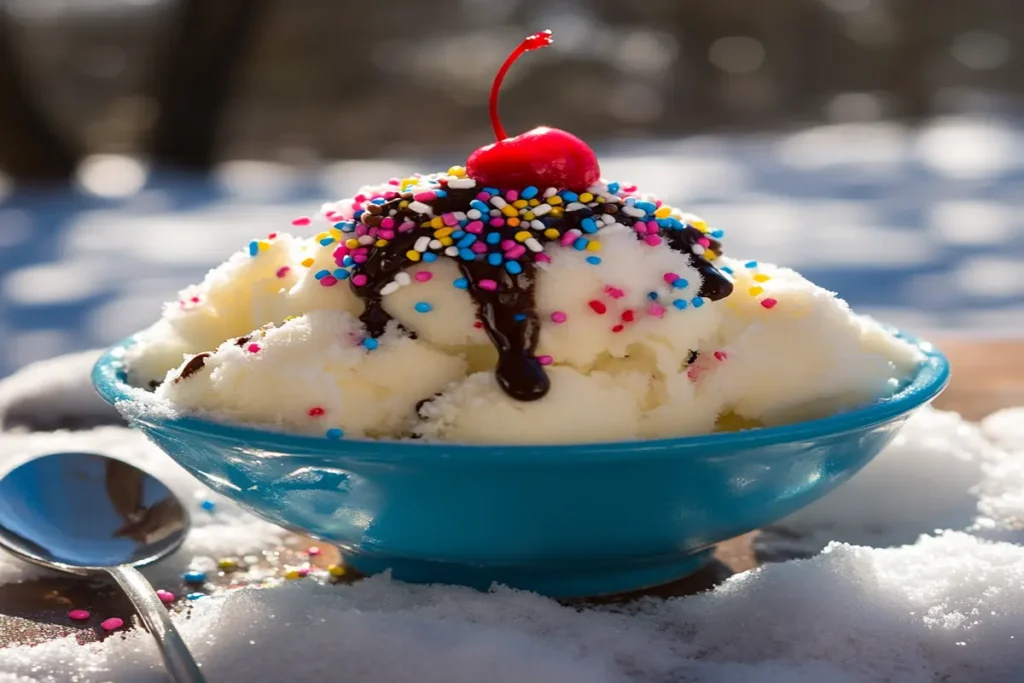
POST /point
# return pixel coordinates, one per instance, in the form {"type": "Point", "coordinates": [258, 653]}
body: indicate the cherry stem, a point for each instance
{"type": "Point", "coordinates": [533, 42]}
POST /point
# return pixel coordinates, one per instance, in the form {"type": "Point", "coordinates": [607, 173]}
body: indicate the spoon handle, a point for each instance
{"type": "Point", "coordinates": [178, 660]}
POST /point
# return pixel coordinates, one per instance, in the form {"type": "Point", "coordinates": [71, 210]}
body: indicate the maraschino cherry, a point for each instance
{"type": "Point", "coordinates": [545, 157]}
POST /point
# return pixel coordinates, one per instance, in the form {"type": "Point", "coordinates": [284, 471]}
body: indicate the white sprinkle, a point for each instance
{"type": "Point", "coordinates": [607, 218]}
{"type": "Point", "coordinates": [697, 249]}
{"type": "Point", "coordinates": [537, 225]}
{"type": "Point", "coordinates": [390, 288]}
{"type": "Point", "coordinates": [575, 206]}
{"type": "Point", "coordinates": [599, 188]}
{"type": "Point", "coordinates": [393, 212]}
{"type": "Point", "coordinates": [420, 207]}
{"type": "Point", "coordinates": [550, 192]}
{"type": "Point", "coordinates": [460, 216]}
{"type": "Point", "coordinates": [451, 251]}
{"type": "Point", "coordinates": [366, 239]}
{"type": "Point", "coordinates": [403, 278]}
{"type": "Point", "coordinates": [473, 214]}
{"type": "Point", "coordinates": [574, 232]}
{"type": "Point", "coordinates": [494, 212]}
{"type": "Point", "coordinates": [498, 202]}
{"type": "Point", "coordinates": [422, 243]}
{"type": "Point", "coordinates": [533, 245]}
{"type": "Point", "coordinates": [541, 209]}
{"type": "Point", "coordinates": [633, 211]}
{"type": "Point", "coordinates": [435, 244]}
{"type": "Point", "coordinates": [461, 183]}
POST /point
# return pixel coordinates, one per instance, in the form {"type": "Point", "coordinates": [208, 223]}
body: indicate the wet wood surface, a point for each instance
{"type": "Point", "coordinates": [987, 375]}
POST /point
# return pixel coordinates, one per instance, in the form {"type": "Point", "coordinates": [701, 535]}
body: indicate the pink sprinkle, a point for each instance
{"type": "Point", "coordinates": [478, 248]}
{"type": "Point", "coordinates": [489, 285]}
{"type": "Point", "coordinates": [361, 230]}
{"type": "Point", "coordinates": [652, 240]}
{"type": "Point", "coordinates": [721, 355]}
{"type": "Point", "coordinates": [386, 234]}
{"type": "Point", "coordinates": [614, 292]}
{"type": "Point", "coordinates": [542, 258]}
{"type": "Point", "coordinates": [255, 348]}
{"type": "Point", "coordinates": [341, 252]}
{"type": "Point", "coordinates": [358, 258]}
{"type": "Point", "coordinates": [449, 219]}
{"type": "Point", "coordinates": [328, 281]}
{"type": "Point", "coordinates": [545, 360]}
{"type": "Point", "coordinates": [79, 614]}
{"type": "Point", "coordinates": [394, 181]}
{"type": "Point", "coordinates": [704, 242]}
{"type": "Point", "coordinates": [656, 310]}
{"type": "Point", "coordinates": [390, 195]}
{"type": "Point", "coordinates": [670, 277]}
{"type": "Point", "coordinates": [425, 196]}
{"type": "Point", "coordinates": [302, 571]}
{"type": "Point", "coordinates": [314, 551]}
{"type": "Point", "coordinates": [272, 235]}
{"type": "Point", "coordinates": [112, 624]}
{"type": "Point", "coordinates": [301, 221]}
{"type": "Point", "coordinates": [558, 317]}
{"type": "Point", "coordinates": [424, 276]}
{"type": "Point", "coordinates": [640, 227]}
{"type": "Point", "coordinates": [511, 196]}
{"type": "Point", "coordinates": [357, 280]}
{"type": "Point", "coordinates": [569, 237]}
{"type": "Point", "coordinates": [283, 270]}
{"type": "Point", "coordinates": [406, 226]}
{"type": "Point", "coordinates": [360, 198]}
{"type": "Point", "coordinates": [475, 227]}
{"type": "Point", "coordinates": [515, 252]}
{"type": "Point", "coordinates": [769, 303]}
{"type": "Point", "coordinates": [387, 223]}
{"type": "Point", "coordinates": [484, 196]}
{"type": "Point", "coordinates": [507, 244]}
{"type": "Point", "coordinates": [194, 299]}
{"type": "Point", "coordinates": [166, 597]}
{"type": "Point", "coordinates": [497, 221]}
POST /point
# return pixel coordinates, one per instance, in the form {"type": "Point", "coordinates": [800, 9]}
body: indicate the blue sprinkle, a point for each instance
{"type": "Point", "coordinates": [663, 222]}
{"type": "Point", "coordinates": [698, 302]}
{"type": "Point", "coordinates": [588, 225]}
{"type": "Point", "coordinates": [613, 187]}
{"type": "Point", "coordinates": [727, 269]}
{"type": "Point", "coordinates": [441, 193]}
{"type": "Point", "coordinates": [208, 505]}
{"type": "Point", "coordinates": [346, 226]}
{"type": "Point", "coordinates": [528, 193]}
{"type": "Point", "coordinates": [429, 257]}
{"type": "Point", "coordinates": [358, 214]}
{"type": "Point", "coordinates": [466, 240]}
{"type": "Point", "coordinates": [480, 206]}
{"type": "Point", "coordinates": [750, 264]}
{"type": "Point", "coordinates": [580, 244]}
{"type": "Point", "coordinates": [648, 207]}
{"type": "Point", "coordinates": [630, 201]}
{"type": "Point", "coordinates": [341, 274]}
{"type": "Point", "coordinates": [467, 254]}
{"type": "Point", "coordinates": [495, 259]}
{"type": "Point", "coordinates": [461, 283]}
{"type": "Point", "coordinates": [492, 191]}
{"type": "Point", "coordinates": [423, 307]}
{"type": "Point", "coordinates": [326, 241]}
{"type": "Point", "coordinates": [519, 317]}
{"type": "Point", "coordinates": [195, 577]}
{"type": "Point", "coordinates": [321, 274]}
{"type": "Point", "coordinates": [334, 433]}
{"type": "Point", "coordinates": [457, 234]}
{"type": "Point", "coordinates": [348, 261]}
{"type": "Point", "coordinates": [513, 267]}
{"type": "Point", "coordinates": [254, 248]}
{"type": "Point", "coordinates": [653, 296]}
{"type": "Point", "coordinates": [378, 201]}
{"type": "Point", "coordinates": [675, 224]}
{"type": "Point", "coordinates": [680, 304]}
{"type": "Point", "coordinates": [593, 260]}
{"type": "Point", "coordinates": [195, 596]}
{"type": "Point", "coordinates": [493, 237]}
{"type": "Point", "coordinates": [681, 284]}
{"type": "Point", "coordinates": [718, 234]}
{"type": "Point", "coordinates": [370, 343]}
{"type": "Point", "coordinates": [569, 196]}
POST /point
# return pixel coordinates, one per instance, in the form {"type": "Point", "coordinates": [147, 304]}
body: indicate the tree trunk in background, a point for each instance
{"type": "Point", "coordinates": [193, 78]}
{"type": "Point", "coordinates": [31, 150]}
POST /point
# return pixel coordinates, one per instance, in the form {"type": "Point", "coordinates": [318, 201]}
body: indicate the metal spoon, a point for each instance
{"type": "Point", "coordinates": [84, 513]}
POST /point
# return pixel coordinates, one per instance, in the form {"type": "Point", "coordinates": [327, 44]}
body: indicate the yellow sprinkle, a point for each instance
{"type": "Point", "coordinates": [336, 234]}
{"type": "Point", "coordinates": [509, 210]}
{"type": "Point", "coordinates": [352, 243]}
{"type": "Point", "coordinates": [443, 232]}
{"type": "Point", "coordinates": [699, 224]}
{"type": "Point", "coordinates": [534, 202]}
{"type": "Point", "coordinates": [601, 200]}
{"type": "Point", "coordinates": [289, 317]}
{"type": "Point", "coordinates": [529, 216]}
{"type": "Point", "coordinates": [227, 565]}
{"type": "Point", "coordinates": [554, 200]}
{"type": "Point", "coordinates": [412, 255]}
{"type": "Point", "coordinates": [292, 575]}
{"type": "Point", "coordinates": [663, 212]}
{"type": "Point", "coordinates": [593, 245]}
{"type": "Point", "coordinates": [263, 245]}
{"type": "Point", "coordinates": [512, 222]}
{"type": "Point", "coordinates": [761, 277]}
{"type": "Point", "coordinates": [552, 234]}
{"type": "Point", "coordinates": [586, 197]}
{"type": "Point", "coordinates": [437, 222]}
{"type": "Point", "coordinates": [457, 171]}
{"type": "Point", "coordinates": [336, 570]}
{"type": "Point", "coordinates": [322, 235]}
{"type": "Point", "coordinates": [710, 254]}
{"type": "Point", "coordinates": [407, 183]}
{"type": "Point", "coordinates": [380, 243]}
{"type": "Point", "coordinates": [522, 235]}
{"type": "Point", "coordinates": [307, 262]}
{"type": "Point", "coordinates": [426, 225]}
{"type": "Point", "coordinates": [556, 212]}
{"type": "Point", "coordinates": [447, 241]}
{"type": "Point", "coordinates": [404, 204]}
{"type": "Point", "coordinates": [520, 203]}
{"type": "Point", "coordinates": [755, 290]}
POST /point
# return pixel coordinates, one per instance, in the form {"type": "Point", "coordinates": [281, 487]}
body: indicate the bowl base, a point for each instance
{"type": "Point", "coordinates": [574, 582]}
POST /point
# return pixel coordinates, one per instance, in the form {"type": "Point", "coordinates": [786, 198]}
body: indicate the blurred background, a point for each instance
{"type": "Point", "coordinates": [875, 145]}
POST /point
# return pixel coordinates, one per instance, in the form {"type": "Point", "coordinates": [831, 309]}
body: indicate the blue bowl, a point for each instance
{"type": "Point", "coordinates": [565, 521]}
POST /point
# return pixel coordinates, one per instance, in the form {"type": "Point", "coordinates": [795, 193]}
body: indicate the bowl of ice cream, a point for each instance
{"type": "Point", "coordinates": [516, 372]}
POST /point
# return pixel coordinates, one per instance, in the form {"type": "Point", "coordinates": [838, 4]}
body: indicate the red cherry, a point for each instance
{"type": "Point", "coordinates": [545, 157]}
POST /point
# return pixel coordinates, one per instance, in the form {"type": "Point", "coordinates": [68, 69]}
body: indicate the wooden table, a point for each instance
{"type": "Point", "coordinates": [987, 375]}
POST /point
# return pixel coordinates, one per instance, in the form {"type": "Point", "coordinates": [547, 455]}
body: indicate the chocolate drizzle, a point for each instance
{"type": "Point", "coordinates": [194, 365]}
{"type": "Point", "coordinates": [505, 301]}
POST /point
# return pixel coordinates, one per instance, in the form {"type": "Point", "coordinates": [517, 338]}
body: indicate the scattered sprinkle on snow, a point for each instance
{"type": "Point", "coordinates": [920, 606]}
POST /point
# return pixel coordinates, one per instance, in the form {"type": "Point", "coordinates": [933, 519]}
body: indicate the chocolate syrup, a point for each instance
{"type": "Point", "coordinates": [194, 365]}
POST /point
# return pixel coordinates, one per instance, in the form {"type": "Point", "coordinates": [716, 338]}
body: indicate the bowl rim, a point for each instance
{"type": "Point", "coordinates": [932, 376]}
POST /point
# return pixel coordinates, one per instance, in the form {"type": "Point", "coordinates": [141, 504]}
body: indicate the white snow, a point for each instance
{"type": "Point", "coordinates": [909, 605]}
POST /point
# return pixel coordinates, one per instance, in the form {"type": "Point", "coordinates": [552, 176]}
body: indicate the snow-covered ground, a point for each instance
{"type": "Point", "coordinates": [922, 227]}
{"type": "Point", "coordinates": [935, 591]}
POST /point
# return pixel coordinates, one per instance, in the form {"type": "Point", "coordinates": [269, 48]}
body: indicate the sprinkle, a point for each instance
{"type": "Point", "coordinates": [314, 551]}
{"type": "Point", "coordinates": [614, 292]}
{"type": "Point", "coordinates": [633, 211]}
{"type": "Point", "coordinates": [423, 307]}
{"type": "Point", "coordinates": [586, 197]}
{"type": "Point", "coordinates": [195, 577]}
{"type": "Point", "coordinates": [403, 279]}
{"type": "Point", "coordinates": [429, 257]}
{"type": "Point", "coordinates": [370, 343]}
{"type": "Point", "coordinates": [680, 283]}
{"type": "Point", "coordinates": [550, 192]}
{"type": "Point", "coordinates": [513, 267]}
{"type": "Point", "coordinates": [334, 433]}
{"type": "Point", "coordinates": [656, 310]}
{"type": "Point", "coordinates": [301, 221]}
{"type": "Point", "coordinates": [461, 283]}
{"type": "Point", "coordinates": [533, 245]}
{"type": "Point", "coordinates": [299, 573]}
{"type": "Point", "coordinates": [618, 328]}
{"type": "Point", "coordinates": [253, 348]}
{"type": "Point", "coordinates": [498, 202]}
{"type": "Point", "coordinates": [489, 285]}
{"type": "Point", "coordinates": [545, 360]}
{"type": "Point", "coordinates": [761, 277]}
{"type": "Point", "coordinates": [627, 315]}
{"type": "Point", "coordinates": [697, 301]}
{"type": "Point", "coordinates": [580, 244]}
{"type": "Point", "coordinates": [529, 192]}
{"type": "Point", "coordinates": [390, 288]}
{"type": "Point", "coordinates": [329, 281]}
{"type": "Point", "coordinates": [558, 317]}
{"type": "Point", "coordinates": [79, 615]}
{"type": "Point", "coordinates": [112, 624]}
{"type": "Point", "coordinates": [336, 570]}
{"type": "Point", "coordinates": [597, 306]}
{"type": "Point", "coordinates": [652, 240]}
{"type": "Point", "coordinates": [424, 197]}
{"type": "Point", "coordinates": [594, 260]}
{"type": "Point", "coordinates": [756, 290]}
{"type": "Point", "coordinates": [307, 262]}
{"type": "Point", "coordinates": [721, 355]}
{"type": "Point", "coordinates": [359, 280]}
{"type": "Point", "coordinates": [166, 597]}
{"type": "Point", "coordinates": [466, 254]}
{"type": "Point", "coordinates": [283, 270]}
{"type": "Point", "coordinates": [588, 225]}
{"type": "Point", "coordinates": [227, 565]}
{"type": "Point", "coordinates": [195, 596]}
{"type": "Point", "coordinates": [519, 317]}
{"type": "Point", "coordinates": [769, 303]}
{"type": "Point", "coordinates": [326, 241]}
{"type": "Point", "coordinates": [750, 264]}
{"type": "Point", "coordinates": [420, 207]}
{"type": "Point", "coordinates": [423, 276]}
{"type": "Point", "coordinates": [254, 248]}
{"type": "Point", "coordinates": [414, 255]}
{"type": "Point", "coordinates": [727, 270]}
{"type": "Point", "coordinates": [208, 505]}
{"type": "Point", "coordinates": [321, 274]}
{"type": "Point", "coordinates": [680, 304]}
{"type": "Point", "coordinates": [663, 212]}
{"type": "Point", "coordinates": [541, 210]}
{"type": "Point", "coordinates": [316, 411]}
{"type": "Point", "coordinates": [552, 233]}
{"type": "Point", "coordinates": [462, 183]}
{"type": "Point", "coordinates": [340, 274]}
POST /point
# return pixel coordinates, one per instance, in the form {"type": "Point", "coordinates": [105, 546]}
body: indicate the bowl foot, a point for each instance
{"type": "Point", "coordinates": [572, 582]}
